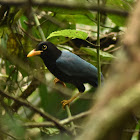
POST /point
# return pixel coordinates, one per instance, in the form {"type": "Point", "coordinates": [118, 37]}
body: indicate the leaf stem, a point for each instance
{"type": "Point", "coordinates": [38, 26]}
{"type": "Point", "coordinates": [98, 44]}
{"type": "Point", "coordinates": [71, 123]}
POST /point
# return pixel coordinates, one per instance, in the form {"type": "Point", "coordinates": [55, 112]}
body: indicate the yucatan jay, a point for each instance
{"type": "Point", "coordinates": [67, 67]}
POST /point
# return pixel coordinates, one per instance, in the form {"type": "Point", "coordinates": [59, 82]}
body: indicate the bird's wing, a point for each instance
{"type": "Point", "coordinates": [73, 65]}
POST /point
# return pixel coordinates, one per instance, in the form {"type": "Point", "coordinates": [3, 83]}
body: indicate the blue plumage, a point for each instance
{"type": "Point", "coordinates": [73, 65]}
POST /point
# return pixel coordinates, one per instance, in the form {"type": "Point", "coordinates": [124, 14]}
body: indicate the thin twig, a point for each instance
{"type": "Point", "coordinates": [98, 44]}
{"type": "Point", "coordinates": [62, 122]}
{"type": "Point", "coordinates": [52, 19]}
{"type": "Point", "coordinates": [71, 123]}
{"type": "Point", "coordinates": [38, 26]}
{"type": "Point", "coordinates": [9, 135]}
{"type": "Point", "coordinates": [131, 130]}
{"type": "Point", "coordinates": [29, 35]}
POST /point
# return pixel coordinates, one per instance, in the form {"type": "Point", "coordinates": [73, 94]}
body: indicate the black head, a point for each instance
{"type": "Point", "coordinates": [46, 50]}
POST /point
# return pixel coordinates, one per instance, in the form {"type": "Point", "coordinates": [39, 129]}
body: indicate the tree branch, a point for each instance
{"type": "Point", "coordinates": [44, 115]}
{"type": "Point", "coordinates": [74, 6]}
{"type": "Point", "coordinates": [32, 87]}
{"type": "Point", "coordinates": [62, 122]}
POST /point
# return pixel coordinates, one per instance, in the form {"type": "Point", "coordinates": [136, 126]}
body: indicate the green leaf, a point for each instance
{"type": "Point", "coordinates": [69, 33]}
{"type": "Point", "coordinates": [3, 75]}
{"type": "Point", "coordinates": [14, 125]}
{"type": "Point", "coordinates": [119, 21]}
{"type": "Point", "coordinates": [53, 104]}
{"type": "Point", "coordinates": [43, 95]}
{"type": "Point", "coordinates": [119, 4]}
{"type": "Point", "coordinates": [92, 52]}
{"type": "Point", "coordinates": [72, 16]}
{"type": "Point", "coordinates": [86, 19]}
{"type": "Point", "coordinates": [22, 21]}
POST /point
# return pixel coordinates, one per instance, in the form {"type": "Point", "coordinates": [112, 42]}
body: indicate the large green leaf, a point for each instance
{"type": "Point", "coordinates": [119, 21]}
{"type": "Point", "coordinates": [43, 95]}
{"type": "Point", "coordinates": [86, 19]}
{"type": "Point", "coordinates": [69, 33]}
{"type": "Point", "coordinates": [51, 102]}
{"type": "Point", "coordinates": [73, 16]}
{"type": "Point", "coordinates": [92, 52]}
{"type": "Point", "coordinates": [122, 5]}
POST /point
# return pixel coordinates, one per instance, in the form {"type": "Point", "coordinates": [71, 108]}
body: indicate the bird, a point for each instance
{"type": "Point", "coordinates": [67, 67]}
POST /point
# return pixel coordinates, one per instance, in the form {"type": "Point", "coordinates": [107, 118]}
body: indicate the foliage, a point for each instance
{"type": "Point", "coordinates": [75, 30]}
{"type": "Point", "coordinates": [69, 33]}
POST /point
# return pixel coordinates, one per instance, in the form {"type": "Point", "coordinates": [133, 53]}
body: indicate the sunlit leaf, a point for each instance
{"type": "Point", "coordinates": [69, 33]}
{"type": "Point", "coordinates": [3, 75]}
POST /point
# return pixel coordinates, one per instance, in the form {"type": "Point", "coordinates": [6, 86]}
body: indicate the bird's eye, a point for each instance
{"type": "Point", "coordinates": [44, 47]}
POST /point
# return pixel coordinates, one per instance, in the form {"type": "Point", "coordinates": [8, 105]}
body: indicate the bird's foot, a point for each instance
{"type": "Point", "coordinates": [57, 81]}
{"type": "Point", "coordinates": [65, 102]}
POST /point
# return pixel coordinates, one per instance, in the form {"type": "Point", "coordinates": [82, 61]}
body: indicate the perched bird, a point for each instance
{"type": "Point", "coordinates": [67, 67]}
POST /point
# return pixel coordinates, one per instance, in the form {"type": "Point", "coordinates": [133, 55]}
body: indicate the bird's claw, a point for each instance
{"type": "Point", "coordinates": [65, 102]}
{"type": "Point", "coordinates": [57, 81]}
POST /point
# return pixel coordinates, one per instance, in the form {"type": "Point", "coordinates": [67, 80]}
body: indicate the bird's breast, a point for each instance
{"type": "Point", "coordinates": [56, 72]}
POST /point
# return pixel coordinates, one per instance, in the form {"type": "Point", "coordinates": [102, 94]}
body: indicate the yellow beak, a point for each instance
{"type": "Point", "coordinates": [33, 53]}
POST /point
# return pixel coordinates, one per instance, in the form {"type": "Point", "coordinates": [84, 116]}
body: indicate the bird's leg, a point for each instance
{"type": "Point", "coordinates": [57, 81]}
{"type": "Point", "coordinates": [67, 102]}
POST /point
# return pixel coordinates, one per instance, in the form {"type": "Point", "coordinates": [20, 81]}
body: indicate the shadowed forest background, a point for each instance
{"type": "Point", "coordinates": [30, 102]}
